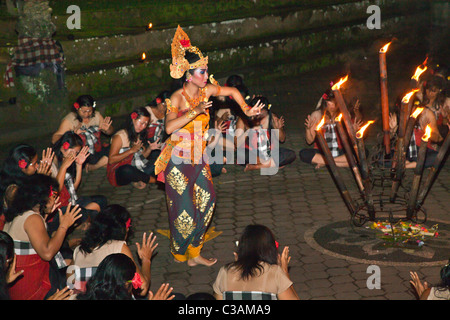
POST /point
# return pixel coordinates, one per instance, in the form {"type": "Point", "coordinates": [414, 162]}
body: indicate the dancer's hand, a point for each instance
{"type": "Point", "coordinates": [201, 108]}
{"type": "Point", "coordinates": [12, 274]}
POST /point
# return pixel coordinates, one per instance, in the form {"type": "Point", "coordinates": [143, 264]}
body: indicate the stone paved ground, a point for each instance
{"type": "Point", "coordinates": [290, 203]}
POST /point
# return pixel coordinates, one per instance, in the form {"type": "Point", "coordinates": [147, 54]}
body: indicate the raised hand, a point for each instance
{"type": "Point", "coordinates": [203, 106]}
{"type": "Point", "coordinates": [163, 293]}
{"type": "Point", "coordinates": [68, 160]}
{"type": "Point", "coordinates": [145, 251]}
{"type": "Point", "coordinates": [137, 146]}
{"type": "Point", "coordinates": [68, 219]}
{"type": "Point", "coordinates": [417, 284]}
{"type": "Point", "coordinates": [256, 110]}
{"type": "Point", "coordinates": [105, 124]}
{"type": "Point", "coordinates": [284, 259]}
{"type": "Point", "coordinates": [82, 155]}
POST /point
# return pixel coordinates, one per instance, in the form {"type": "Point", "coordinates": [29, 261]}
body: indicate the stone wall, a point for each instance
{"type": "Point", "coordinates": [258, 39]}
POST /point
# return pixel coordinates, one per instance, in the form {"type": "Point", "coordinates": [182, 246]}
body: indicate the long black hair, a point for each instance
{"type": "Point", "coordinates": [35, 192]}
{"type": "Point", "coordinates": [110, 224]}
{"type": "Point", "coordinates": [256, 245]}
{"type": "Point", "coordinates": [73, 140]}
{"type": "Point", "coordinates": [110, 279]}
{"type": "Point", "coordinates": [129, 127]}
{"type": "Point", "coordinates": [6, 253]}
{"type": "Point", "coordinates": [84, 100]}
{"type": "Point", "coordinates": [10, 172]}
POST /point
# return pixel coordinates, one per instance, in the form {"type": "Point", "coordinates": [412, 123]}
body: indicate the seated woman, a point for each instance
{"type": "Point", "coordinates": [107, 235]}
{"type": "Point", "coordinates": [432, 115]}
{"type": "Point", "coordinates": [156, 128]}
{"type": "Point", "coordinates": [25, 223]}
{"type": "Point", "coordinates": [115, 279]}
{"type": "Point", "coordinates": [127, 162]}
{"type": "Point", "coordinates": [258, 268]}
{"type": "Point", "coordinates": [67, 169]}
{"type": "Point", "coordinates": [327, 106]}
{"type": "Point", "coordinates": [88, 123]}
{"type": "Point", "coordinates": [257, 142]}
{"type": "Point", "coordinates": [21, 163]}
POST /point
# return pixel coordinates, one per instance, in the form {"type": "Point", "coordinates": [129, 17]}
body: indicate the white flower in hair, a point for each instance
{"type": "Point", "coordinates": [95, 103]}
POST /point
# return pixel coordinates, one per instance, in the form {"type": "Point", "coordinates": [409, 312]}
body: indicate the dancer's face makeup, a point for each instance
{"type": "Point", "coordinates": [200, 76]}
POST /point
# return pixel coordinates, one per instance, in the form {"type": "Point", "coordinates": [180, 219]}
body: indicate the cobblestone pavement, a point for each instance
{"type": "Point", "coordinates": [291, 203]}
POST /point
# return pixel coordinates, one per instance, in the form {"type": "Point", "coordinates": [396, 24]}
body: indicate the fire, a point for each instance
{"type": "Point", "coordinates": [338, 85]}
{"type": "Point", "coordinates": [417, 112]}
{"type": "Point", "coordinates": [320, 123]}
{"type": "Point", "coordinates": [360, 133]}
{"type": "Point", "coordinates": [150, 25]}
{"type": "Point", "coordinates": [418, 72]}
{"type": "Point", "coordinates": [143, 56]}
{"type": "Point", "coordinates": [385, 48]}
{"type": "Point", "coordinates": [339, 117]}
{"type": "Point", "coordinates": [427, 134]}
{"type": "Point", "coordinates": [408, 96]}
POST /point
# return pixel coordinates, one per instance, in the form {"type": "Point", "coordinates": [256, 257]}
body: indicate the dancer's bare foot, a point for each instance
{"type": "Point", "coordinates": [139, 184]}
{"type": "Point", "coordinates": [200, 260]}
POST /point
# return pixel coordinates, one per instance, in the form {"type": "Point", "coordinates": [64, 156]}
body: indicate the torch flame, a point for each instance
{"type": "Point", "coordinates": [143, 56]}
{"type": "Point", "coordinates": [418, 72]}
{"type": "Point", "coordinates": [417, 112]}
{"type": "Point", "coordinates": [408, 96]}
{"type": "Point", "coordinates": [339, 117]}
{"type": "Point", "coordinates": [320, 123]}
{"type": "Point", "coordinates": [360, 133]}
{"type": "Point", "coordinates": [427, 134]}
{"type": "Point", "coordinates": [338, 85]}
{"type": "Point", "coordinates": [150, 25]}
{"type": "Point", "coordinates": [385, 48]}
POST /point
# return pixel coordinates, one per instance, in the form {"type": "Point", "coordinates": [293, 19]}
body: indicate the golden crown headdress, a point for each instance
{"type": "Point", "coordinates": [181, 44]}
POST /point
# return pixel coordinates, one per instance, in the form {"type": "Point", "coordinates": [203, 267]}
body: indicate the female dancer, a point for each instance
{"type": "Point", "coordinates": [188, 183]}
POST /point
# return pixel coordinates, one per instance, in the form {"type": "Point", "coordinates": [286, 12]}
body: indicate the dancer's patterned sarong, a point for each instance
{"type": "Point", "coordinates": [190, 200]}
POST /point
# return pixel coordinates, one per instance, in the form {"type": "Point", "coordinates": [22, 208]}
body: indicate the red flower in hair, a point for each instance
{"type": "Point", "coordinates": [325, 96]}
{"type": "Point", "coordinates": [128, 223]}
{"type": "Point", "coordinates": [276, 244]}
{"type": "Point", "coordinates": [66, 145]}
{"type": "Point", "coordinates": [134, 115]}
{"type": "Point", "coordinates": [76, 105]}
{"type": "Point", "coordinates": [158, 100]}
{"type": "Point", "coordinates": [185, 43]}
{"type": "Point", "coordinates": [136, 281]}
{"type": "Point", "coordinates": [22, 164]}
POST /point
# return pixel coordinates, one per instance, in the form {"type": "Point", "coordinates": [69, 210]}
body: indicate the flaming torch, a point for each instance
{"type": "Point", "coordinates": [404, 112]}
{"type": "Point", "coordinates": [384, 97]}
{"type": "Point", "coordinates": [433, 171]}
{"type": "Point", "coordinates": [143, 57]}
{"type": "Point", "coordinates": [419, 70]}
{"type": "Point", "coordinates": [349, 152]}
{"type": "Point", "coordinates": [365, 169]}
{"type": "Point", "coordinates": [344, 110]}
{"type": "Point", "coordinates": [334, 169]}
{"type": "Point", "coordinates": [418, 171]}
{"type": "Point", "coordinates": [149, 26]}
{"type": "Point", "coordinates": [402, 152]}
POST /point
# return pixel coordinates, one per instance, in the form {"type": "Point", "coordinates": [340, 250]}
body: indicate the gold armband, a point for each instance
{"type": "Point", "coordinates": [245, 107]}
{"type": "Point", "coordinates": [191, 114]}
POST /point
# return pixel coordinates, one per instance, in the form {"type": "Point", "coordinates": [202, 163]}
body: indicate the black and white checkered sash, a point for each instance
{"type": "Point", "coordinates": [91, 138]}
{"type": "Point", "coordinates": [412, 147]}
{"type": "Point", "coordinates": [249, 295]}
{"type": "Point", "coordinates": [263, 144]}
{"type": "Point", "coordinates": [68, 181]}
{"type": "Point", "coordinates": [159, 126]}
{"type": "Point", "coordinates": [331, 138]}
{"type": "Point", "coordinates": [24, 248]}
{"type": "Point", "coordinates": [138, 161]}
{"type": "Point", "coordinates": [84, 274]}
